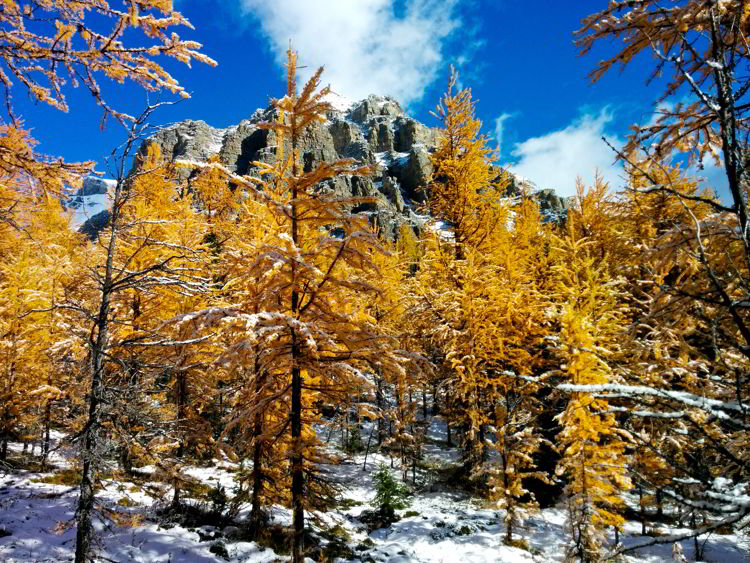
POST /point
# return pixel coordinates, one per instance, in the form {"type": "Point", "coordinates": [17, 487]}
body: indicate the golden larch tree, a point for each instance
{"type": "Point", "coordinates": [594, 458]}
{"type": "Point", "coordinates": [310, 263]}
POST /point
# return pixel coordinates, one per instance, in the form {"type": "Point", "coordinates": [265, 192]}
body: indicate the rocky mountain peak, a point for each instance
{"type": "Point", "coordinates": [374, 131]}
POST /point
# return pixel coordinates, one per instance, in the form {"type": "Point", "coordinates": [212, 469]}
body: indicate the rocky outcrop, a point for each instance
{"type": "Point", "coordinates": [552, 206]}
{"type": "Point", "coordinates": [90, 203]}
{"type": "Point", "coordinates": [93, 186]}
{"type": "Point", "coordinates": [95, 224]}
{"type": "Point", "coordinates": [374, 132]}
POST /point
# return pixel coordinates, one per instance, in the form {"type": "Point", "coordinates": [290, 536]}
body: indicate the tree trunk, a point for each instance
{"type": "Point", "coordinates": [181, 398]}
{"type": "Point", "coordinates": [297, 463]}
{"type": "Point", "coordinates": [46, 440]}
{"type": "Point", "coordinates": [345, 429]}
{"type": "Point", "coordinates": [508, 503]}
{"type": "Point", "coordinates": [256, 509]}
{"type": "Point", "coordinates": [696, 543]}
{"type": "Point", "coordinates": [482, 444]}
{"type": "Point", "coordinates": [643, 510]}
{"type": "Point", "coordinates": [659, 505]}
{"type": "Point", "coordinates": [379, 403]}
{"type": "Point", "coordinates": [84, 531]}
{"type": "Point", "coordinates": [298, 475]}
{"type": "Point", "coordinates": [367, 450]}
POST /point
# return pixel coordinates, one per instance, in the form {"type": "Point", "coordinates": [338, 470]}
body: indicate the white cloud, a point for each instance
{"type": "Point", "coordinates": [555, 160]}
{"type": "Point", "coordinates": [367, 46]}
{"type": "Point", "coordinates": [500, 129]}
{"type": "Point", "coordinates": [713, 177]}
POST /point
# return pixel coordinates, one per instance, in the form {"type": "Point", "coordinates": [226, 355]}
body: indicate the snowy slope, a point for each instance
{"type": "Point", "coordinates": [90, 200]}
{"type": "Point", "coordinates": [442, 525]}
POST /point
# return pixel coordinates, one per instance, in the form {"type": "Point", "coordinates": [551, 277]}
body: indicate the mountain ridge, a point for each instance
{"type": "Point", "coordinates": [374, 131]}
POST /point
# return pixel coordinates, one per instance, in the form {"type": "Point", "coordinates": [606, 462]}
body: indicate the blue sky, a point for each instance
{"type": "Point", "coordinates": [517, 56]}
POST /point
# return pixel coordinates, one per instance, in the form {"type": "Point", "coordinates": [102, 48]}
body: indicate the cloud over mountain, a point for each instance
{"type": "Point", "coordinates": [368, 46]}
{"type": "Point", "coordinates": [555, 159]}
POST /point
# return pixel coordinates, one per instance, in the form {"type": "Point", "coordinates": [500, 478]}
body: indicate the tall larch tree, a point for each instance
{"type": "Point", "coordinates": [462, 195]}
{"type": "Point", "coordinates": [594, 457]}
{"type": "Point", "coordinates": [138, 261]}
{"type": "Point", "coordinates": [523, 320]}
{"type": "Point", "coordinates": [311, 263]}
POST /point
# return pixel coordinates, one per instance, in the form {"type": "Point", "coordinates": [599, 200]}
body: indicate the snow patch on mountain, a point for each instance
{"type": "Point", "coordinates": [90, 200]}
{"type": "Point", "coordinates": [338, 102]}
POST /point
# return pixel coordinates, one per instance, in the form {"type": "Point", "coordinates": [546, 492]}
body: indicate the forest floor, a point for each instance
{"type": "Point", "coordinates": [442, 524]}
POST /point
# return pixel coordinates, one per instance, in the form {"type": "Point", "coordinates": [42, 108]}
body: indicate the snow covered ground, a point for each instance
{"type": "Point", "coordinates": [441, 524]}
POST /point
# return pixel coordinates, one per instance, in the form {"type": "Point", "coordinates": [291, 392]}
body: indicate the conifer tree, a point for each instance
{"type": "Point", "coordinates": [41, 260]}
{"type": "Point", "coordinates": [520, 291]}
{"type": "Point", "coordinates": [138, 261]}
{"type": "Point", "coordinates": [594, 457]}
{"type": "Point", "coordinates": [480, 299]}
{"type": "Point", "coordinates": [309, 265]}
{"type": "Point", "coordinates": [462, 194]}
{"type": "Point", "coordinates": [390, 495]}
{"type": "Point", "coordinates": [462, 180]}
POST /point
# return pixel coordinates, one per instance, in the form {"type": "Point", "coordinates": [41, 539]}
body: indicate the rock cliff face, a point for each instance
{"type": "Point", "coordinates": [374, 131]}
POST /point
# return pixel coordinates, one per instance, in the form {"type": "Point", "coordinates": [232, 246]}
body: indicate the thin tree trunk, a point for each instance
{"type": "Point", "coordinates": [181, 411]}
{"type": "Point", "coordinates": [7, 419]}
{"type": "Point", "coordinates": [482, 444]}
{"type": "Point", "coordinates": [367, 450]}
{"type": "Point", "coordinates": [696, 544]}
{"type": "Point", "coordinates": [332, 427]}
{"type": "Point", "coordinates": [379, 403]}
{"type": "Point", "coordinates": [298, 482]}
{"type": "Point", "coordinates": [659, 505]}
{"type": "Point", "coordinates": [84, 531]}
{"type": "Point", "coordinates": [298, 476]}
{"type": "Point", "coordinates": [643, 510]}
{"type": "Point", "coordinates": [345, 430]}
{"type": "Point", "coordinates": [508, 502]}
{"type": "Point", "coordinates": [46, 440]}
{"type": "Point", "coordinates": [88, 472]}
{"type": "Point", "coordinates": [258, 478]}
